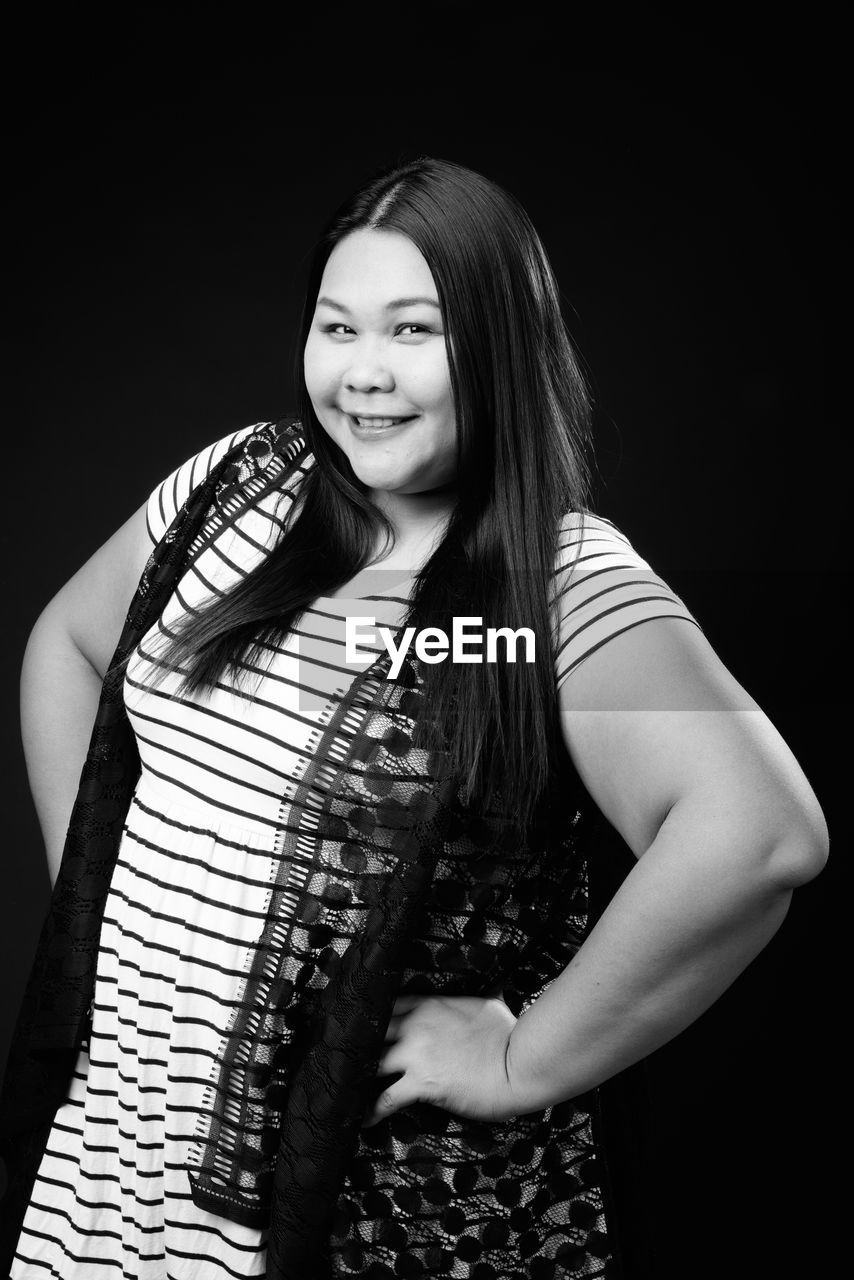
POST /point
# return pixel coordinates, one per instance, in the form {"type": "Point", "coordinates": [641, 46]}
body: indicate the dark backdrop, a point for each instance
{"type": "Point", "coordinates": [166, 177]}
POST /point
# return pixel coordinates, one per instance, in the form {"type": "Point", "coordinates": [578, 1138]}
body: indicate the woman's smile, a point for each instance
{"type": "Point", "coordinates": [374, 426]}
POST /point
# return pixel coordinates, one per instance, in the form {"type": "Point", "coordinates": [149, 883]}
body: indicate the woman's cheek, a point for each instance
{"type": "Point", "coordinates": [430, 384]}
{"type": "Point", "coordinates": [319, 369]}
{"type": "Point", "coordinates": [326, 385]}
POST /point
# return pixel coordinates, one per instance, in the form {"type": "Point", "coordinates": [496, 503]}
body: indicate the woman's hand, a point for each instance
{"type": "Point", "coordinates": [452, 1052]}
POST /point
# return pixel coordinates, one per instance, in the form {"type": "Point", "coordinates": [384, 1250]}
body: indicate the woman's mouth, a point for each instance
{"type": "Point", "coordinates": [375, 424]}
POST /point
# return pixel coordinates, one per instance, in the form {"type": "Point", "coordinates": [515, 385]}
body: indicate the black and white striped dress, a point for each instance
{"type": "Point", "coordinates": [190, 890]}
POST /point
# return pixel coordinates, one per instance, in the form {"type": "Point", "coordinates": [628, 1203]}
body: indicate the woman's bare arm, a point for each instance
{"type": "Point", "coordinates": [724, 825]}
{"type": "Point", "coordinates": [65, 660]}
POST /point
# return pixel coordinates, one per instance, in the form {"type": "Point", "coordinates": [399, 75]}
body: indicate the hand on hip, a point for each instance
{"type": "Point", "coordinates": [451, 1052]}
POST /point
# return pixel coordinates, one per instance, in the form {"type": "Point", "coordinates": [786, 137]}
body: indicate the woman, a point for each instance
{"type": "Point", "coordinates": [323, 976]}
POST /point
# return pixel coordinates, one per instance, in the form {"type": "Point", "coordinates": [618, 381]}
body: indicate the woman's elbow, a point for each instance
{"type": "Point", "coordinates": [801, 851]}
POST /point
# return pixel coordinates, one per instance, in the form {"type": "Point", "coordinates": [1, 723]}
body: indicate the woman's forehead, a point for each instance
{"type": "Point", "coordinates": [375, 268]}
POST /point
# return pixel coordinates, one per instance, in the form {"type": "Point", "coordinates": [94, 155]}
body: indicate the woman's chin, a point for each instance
{"type": "Point", "coordinates": [382, 479]}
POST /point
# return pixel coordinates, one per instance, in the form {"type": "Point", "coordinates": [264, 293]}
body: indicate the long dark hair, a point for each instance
{"type": "Point", "coordinates": [522, 411]}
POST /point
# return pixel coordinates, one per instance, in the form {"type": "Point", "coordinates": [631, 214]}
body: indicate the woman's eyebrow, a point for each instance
{"type": "Point", "coordinates": [411, 302]}
{"type": "Point", "coordinates": [390, 306]}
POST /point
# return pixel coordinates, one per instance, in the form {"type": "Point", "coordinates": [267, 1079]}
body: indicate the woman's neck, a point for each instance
{"type": "Point", "coordinates": [419, 521]}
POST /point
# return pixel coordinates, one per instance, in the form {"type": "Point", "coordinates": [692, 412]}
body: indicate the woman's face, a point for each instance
{"type": "Point", "coordinates": [376, 365]}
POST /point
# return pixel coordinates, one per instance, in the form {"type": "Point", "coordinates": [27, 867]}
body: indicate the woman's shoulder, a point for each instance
{"type": "Point", "coordinates": [256, 450]}
{"type": "Point", "coordinates": [588, 540]}
{"type": "Point", "coordinates": [603, 586]}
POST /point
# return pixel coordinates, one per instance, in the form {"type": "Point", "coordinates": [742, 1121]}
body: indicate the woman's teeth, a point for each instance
{"type": "Point", "coordinates": [380, 422]}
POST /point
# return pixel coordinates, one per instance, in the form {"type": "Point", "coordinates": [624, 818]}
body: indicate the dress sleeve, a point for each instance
{"type": "Point", "coordinates": [602, 588]}
{"type": "Point", "coordinates": [170, 495]}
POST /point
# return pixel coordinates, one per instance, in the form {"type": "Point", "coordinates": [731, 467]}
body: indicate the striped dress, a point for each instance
{"type": "Point", "coordinates": [191, 885]}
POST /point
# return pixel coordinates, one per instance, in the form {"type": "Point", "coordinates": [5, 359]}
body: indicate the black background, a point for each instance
{"type": "Point", "coordinates": [167, 172]}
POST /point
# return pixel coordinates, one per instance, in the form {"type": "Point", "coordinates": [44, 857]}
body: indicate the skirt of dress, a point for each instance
{"type": "Point", "coordinates": [112, 1197]}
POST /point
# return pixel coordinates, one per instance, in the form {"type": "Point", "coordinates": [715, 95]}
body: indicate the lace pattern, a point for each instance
{"type": "Point", "coordinates": [403, 889]}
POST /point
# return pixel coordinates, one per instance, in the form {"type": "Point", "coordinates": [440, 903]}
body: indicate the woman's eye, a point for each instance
{"type": "Point", "coordinates": [409, 330]}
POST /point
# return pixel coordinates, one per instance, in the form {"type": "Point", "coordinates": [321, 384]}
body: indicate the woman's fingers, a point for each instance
{"type": "Point", "coordinates": [405, 1004]}
{"type": "Point", "coordinates": [402, 1006]}
{"type": "Point", "coordinates": [392, 1030]}
{"type": "Point", "coordinates": [392, 1099]}
{"type": "Point", "coordinates": [388, 1064]}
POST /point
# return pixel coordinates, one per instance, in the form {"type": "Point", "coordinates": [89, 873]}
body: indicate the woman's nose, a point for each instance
{"type": "Point", "coordinates": [368, 371]}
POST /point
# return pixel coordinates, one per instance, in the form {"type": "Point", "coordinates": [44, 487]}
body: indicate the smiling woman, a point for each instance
{"type": "Point", "coordinates": [320, 993]}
